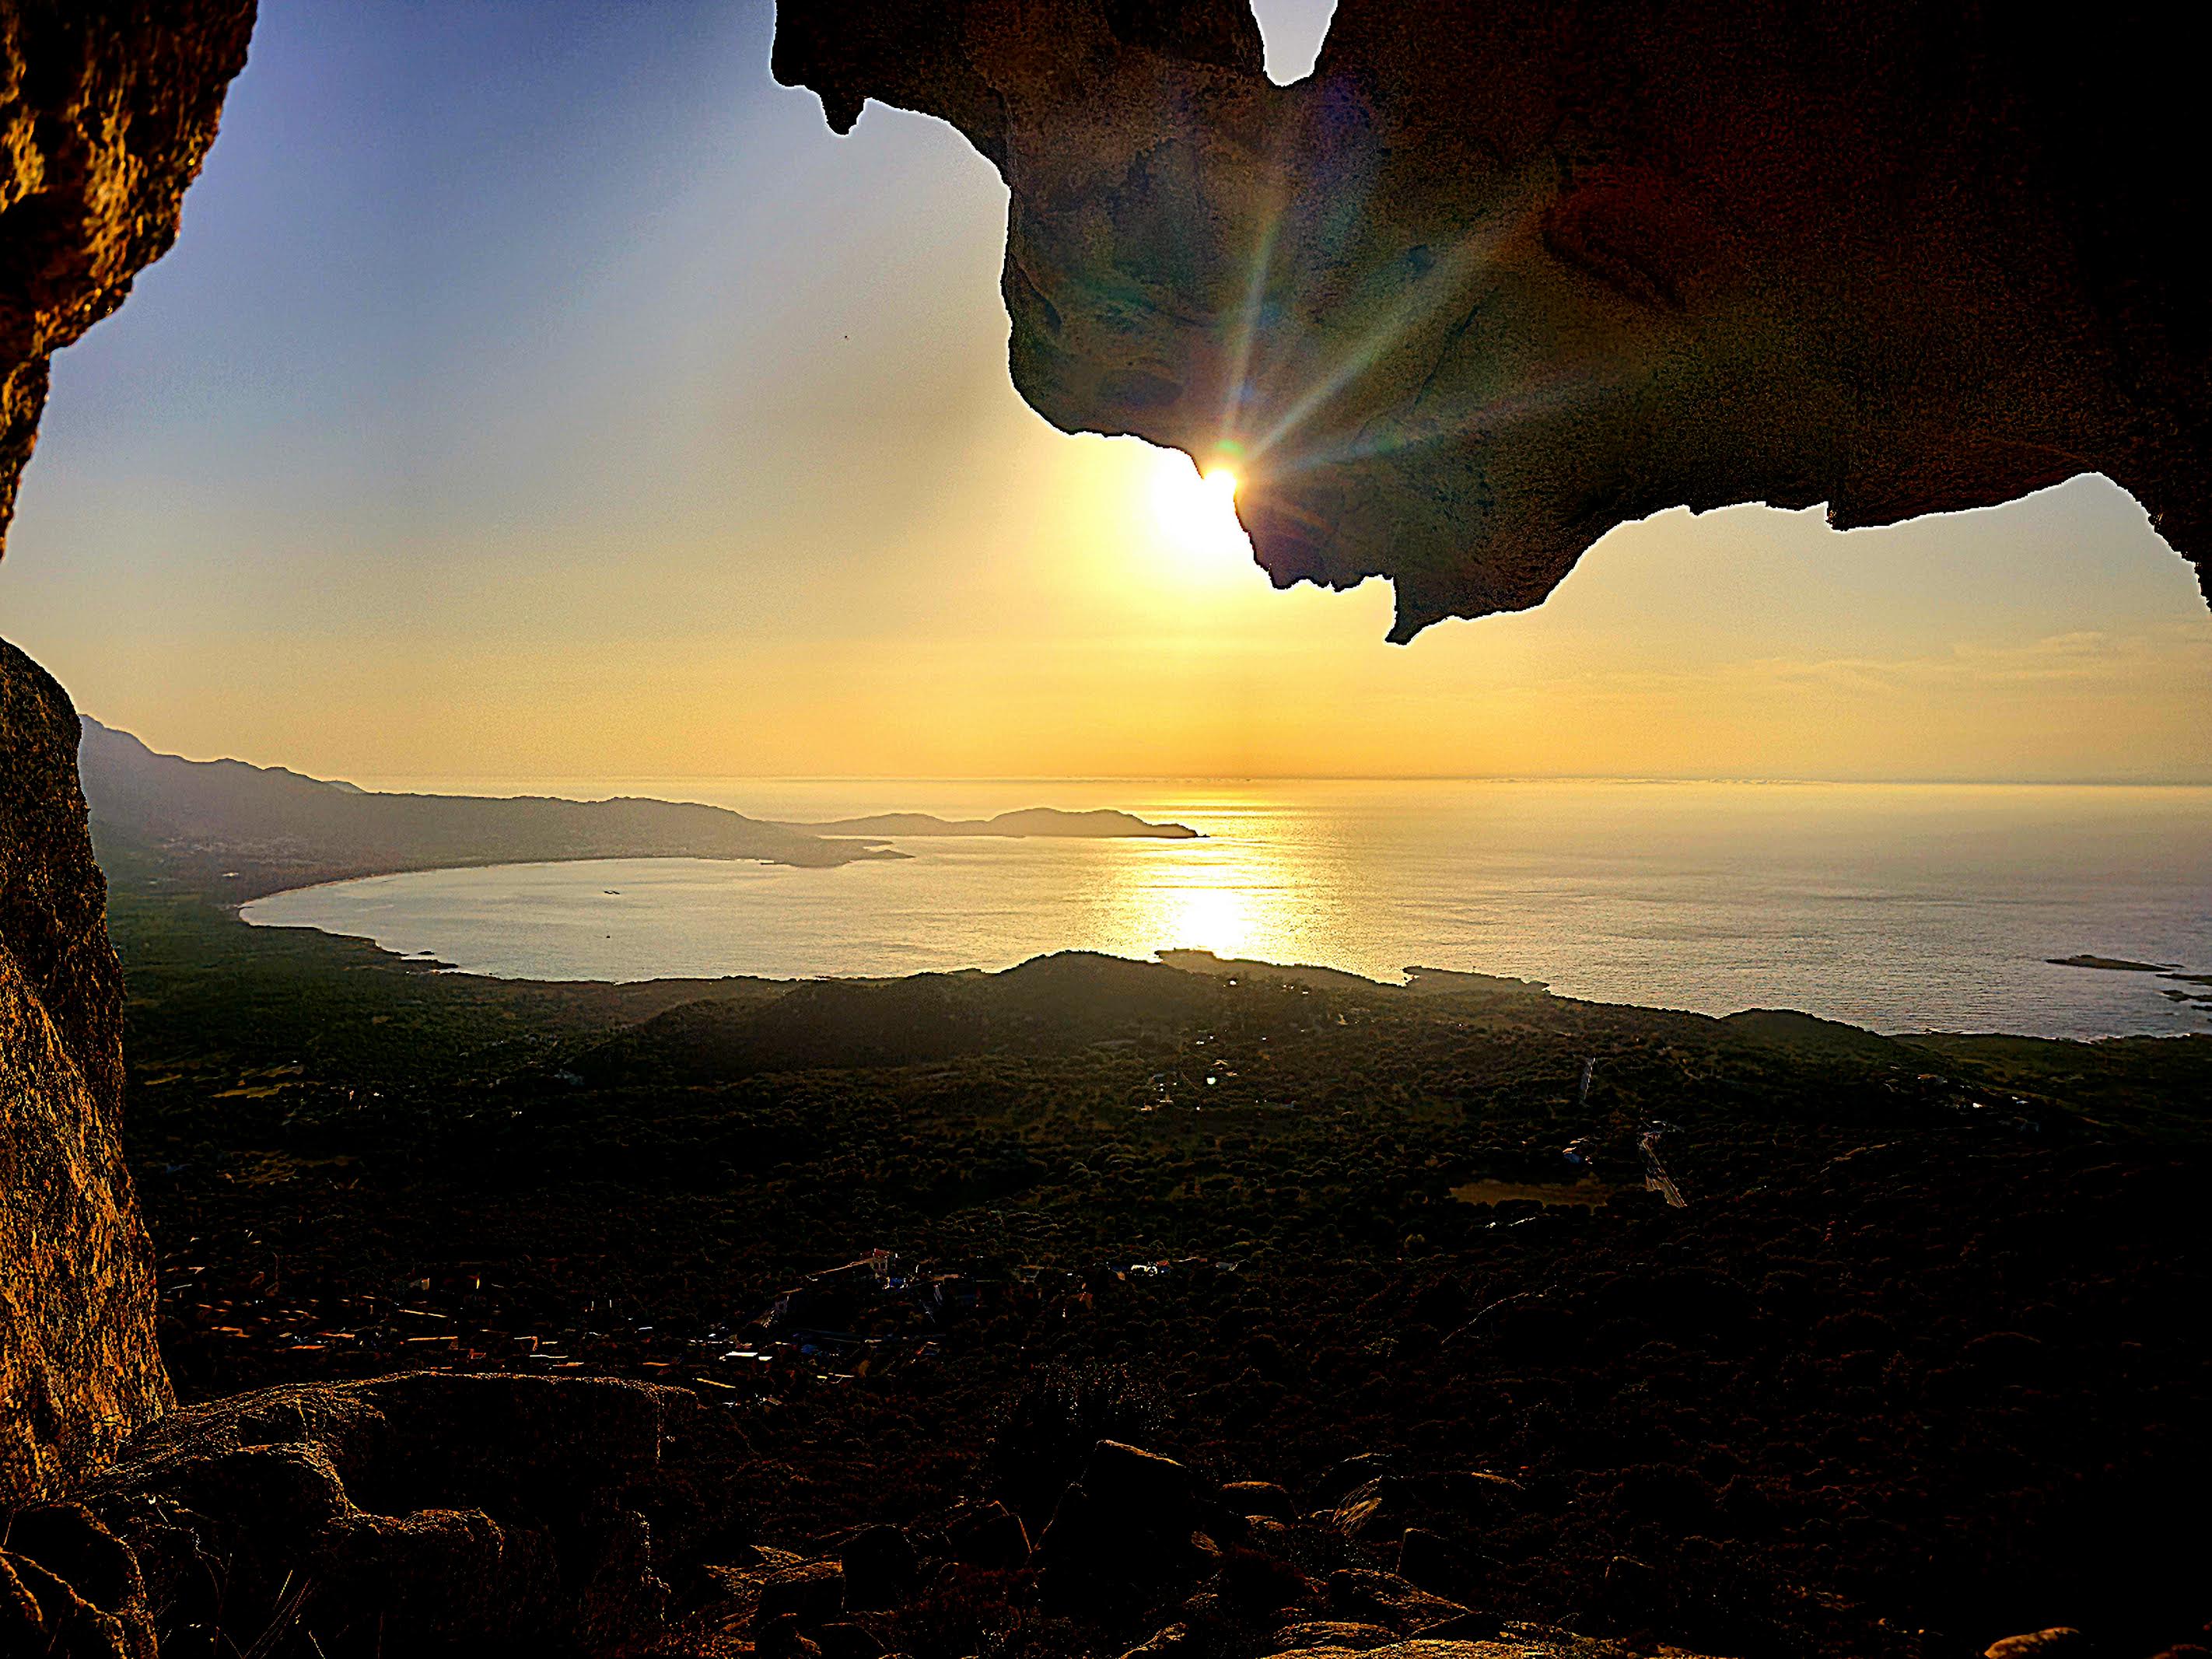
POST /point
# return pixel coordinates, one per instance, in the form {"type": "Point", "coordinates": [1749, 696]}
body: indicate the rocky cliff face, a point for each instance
{"type": "Point", "coordinates": [106, 109]}
{"type": "Point", "coordinates": [1502, 274]}
{"type": "Point", "coordinates": [79, 1369]}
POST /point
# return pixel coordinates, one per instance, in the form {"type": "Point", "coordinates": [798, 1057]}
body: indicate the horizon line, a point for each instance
{"type": "Point", "coordinates": [1858, 780]}
{"type": "Point", "coordinates": [1741, 779]}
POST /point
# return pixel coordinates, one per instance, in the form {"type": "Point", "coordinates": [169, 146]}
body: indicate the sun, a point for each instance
{"type": "Point", "coordinates": [1198, 515]}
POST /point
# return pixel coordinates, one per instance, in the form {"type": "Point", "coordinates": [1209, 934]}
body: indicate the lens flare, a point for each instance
{"type": "Point", "coordinates": [1197, 515]}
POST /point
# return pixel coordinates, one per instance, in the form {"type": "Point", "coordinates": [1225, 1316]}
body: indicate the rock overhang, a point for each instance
{"type": "Point", "coordinates": [1496, 278]}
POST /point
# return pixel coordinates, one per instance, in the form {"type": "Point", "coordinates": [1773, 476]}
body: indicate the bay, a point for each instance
{"type": "Point", "coordinates": [1899, 908]}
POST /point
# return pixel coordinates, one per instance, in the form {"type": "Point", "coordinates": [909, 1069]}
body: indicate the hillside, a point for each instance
{"type": "Point", "coordinates": [908, 1248]}
{"type": "Point", "coordinates": [255, 829]}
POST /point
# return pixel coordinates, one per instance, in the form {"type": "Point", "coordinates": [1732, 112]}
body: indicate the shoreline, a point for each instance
{"type": "Point", "coordinates": [1179, 959]}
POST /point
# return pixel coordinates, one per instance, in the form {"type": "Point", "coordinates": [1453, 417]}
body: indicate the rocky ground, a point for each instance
{"type": "Point", "coordinates": [1914, 1367]}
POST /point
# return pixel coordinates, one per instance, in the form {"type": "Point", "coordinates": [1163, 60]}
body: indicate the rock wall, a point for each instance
{"type": "Point", "coordinates": [1504, 274]}
{"type": "Point", "coordinates": [79, 1369]}
{"type": "Point", "coordinates": [106, 109]}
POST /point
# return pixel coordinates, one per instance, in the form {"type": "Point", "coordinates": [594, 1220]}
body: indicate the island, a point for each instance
{"type": "Point", "coordinates": [2111, 964]}
{"type": "Point", "coordinates": [1101, 823]}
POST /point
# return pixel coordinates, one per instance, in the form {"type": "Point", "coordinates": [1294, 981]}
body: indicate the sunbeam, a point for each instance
{"type": "Point", "coordinates": [1447, 280]}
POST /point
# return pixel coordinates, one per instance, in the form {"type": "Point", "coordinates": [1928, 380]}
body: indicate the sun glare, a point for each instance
{"type": "Point", "coordinates": [1198, 515]}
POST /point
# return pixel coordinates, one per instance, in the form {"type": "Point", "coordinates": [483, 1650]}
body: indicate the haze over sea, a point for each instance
{"type": "Point", "coordinates": [1897, 906]}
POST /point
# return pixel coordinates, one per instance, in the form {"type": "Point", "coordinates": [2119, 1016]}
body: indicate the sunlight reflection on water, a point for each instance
{"type": "Point", "coordinates": [1893, 907]}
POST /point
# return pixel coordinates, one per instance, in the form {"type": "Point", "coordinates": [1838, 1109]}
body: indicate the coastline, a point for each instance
{"type": "Point", "coordinates": [673, 920]}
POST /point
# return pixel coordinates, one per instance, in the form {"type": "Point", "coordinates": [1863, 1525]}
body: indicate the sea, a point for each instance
{"type": "Point", "coordinates": [1899, 908]}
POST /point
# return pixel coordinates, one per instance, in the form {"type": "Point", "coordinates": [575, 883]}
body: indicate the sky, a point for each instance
{"type": "Point", "coordinates": [537, 389]}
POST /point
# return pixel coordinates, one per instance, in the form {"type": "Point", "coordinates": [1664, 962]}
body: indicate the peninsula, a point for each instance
{"type": "Point", "coordinates": [247, 831]}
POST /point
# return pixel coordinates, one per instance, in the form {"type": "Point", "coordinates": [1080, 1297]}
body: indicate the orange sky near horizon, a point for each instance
{"type": "Point", "coordinates": [679, 441]}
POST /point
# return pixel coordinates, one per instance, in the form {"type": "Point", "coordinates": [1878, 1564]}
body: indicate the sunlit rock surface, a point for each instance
{"type": "Point", "coordinates": [1501, 274]}
{"type": "Point", "coordinates": [79, 1369]}
{"type": "Point", "coordinates": [105, 113]}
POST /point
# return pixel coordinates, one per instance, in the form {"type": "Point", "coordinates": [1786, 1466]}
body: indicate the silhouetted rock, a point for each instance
{"type": "Point", "coordinates": [1429, 1559]}
{"type": "Point", "coordinates": [1127, 1527]}
{"type": "Point", "coordinates": [990, 1536]}
{"type": "Point", "coordinates": [842, 1639]}
{"type": "Point", "coordinates": [813, 1593]}
{"type": "Point", "coordinates": [1499, 276]}
{"type": "Point", "coordinates": [431, 1512]}
{"type": "Point", "coordinates": [1632, 1589]}
{"type": "Point", "coordinates": [1350, 1473]}
{"type": "Point", "coordinates": [1131, 1486]}
{"type": "Point", "coordinates": [1482, 1494]}
{"type": "Point", "coordinates": [880, 1566]}
{"type": "Point", "coordinates": [1257, 1583]}
{"type": "Point", "coordinates": [79, 1368]}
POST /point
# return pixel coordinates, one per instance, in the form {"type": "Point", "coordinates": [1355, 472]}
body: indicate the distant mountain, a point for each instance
{"type": "Point", "coordinates": [257, 829]}
{"type": "Point", "coordinates": [1100, 824]}
{"type": "Point", "coordinates": [265, 827]}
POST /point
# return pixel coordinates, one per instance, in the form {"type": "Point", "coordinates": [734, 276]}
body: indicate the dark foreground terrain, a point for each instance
{"type": "Point", "coordinates": [1919, 1361]}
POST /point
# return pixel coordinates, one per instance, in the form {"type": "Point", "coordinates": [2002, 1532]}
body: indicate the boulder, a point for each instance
{"type": "Point", "coordinates": [1131, 1526]}
{"type": "Point", "coordinates": [1256, 1583]}
{"type": "Point", "coordinates": [1632, 1589]}
{"type": "Point", "coordinates": [1259, 1497]}
{"type": "Point", "coordinates": [880, 1563]}
{"type": "Point", "coordinates": [1352, 1472]}
{"type": "Point", "coordinates": [1130, 1485]}
{"type": "Point", "coordinates": [990, 1536]}
{"type": "Point", "coordinates": [1430, 1560]}
{"type": "Point", "coordinates": [432, 1512]}
{"type": "Point", "coordinates": [2058, 1642]}
{"type": "Point", "coordinates": [813, 1593]}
